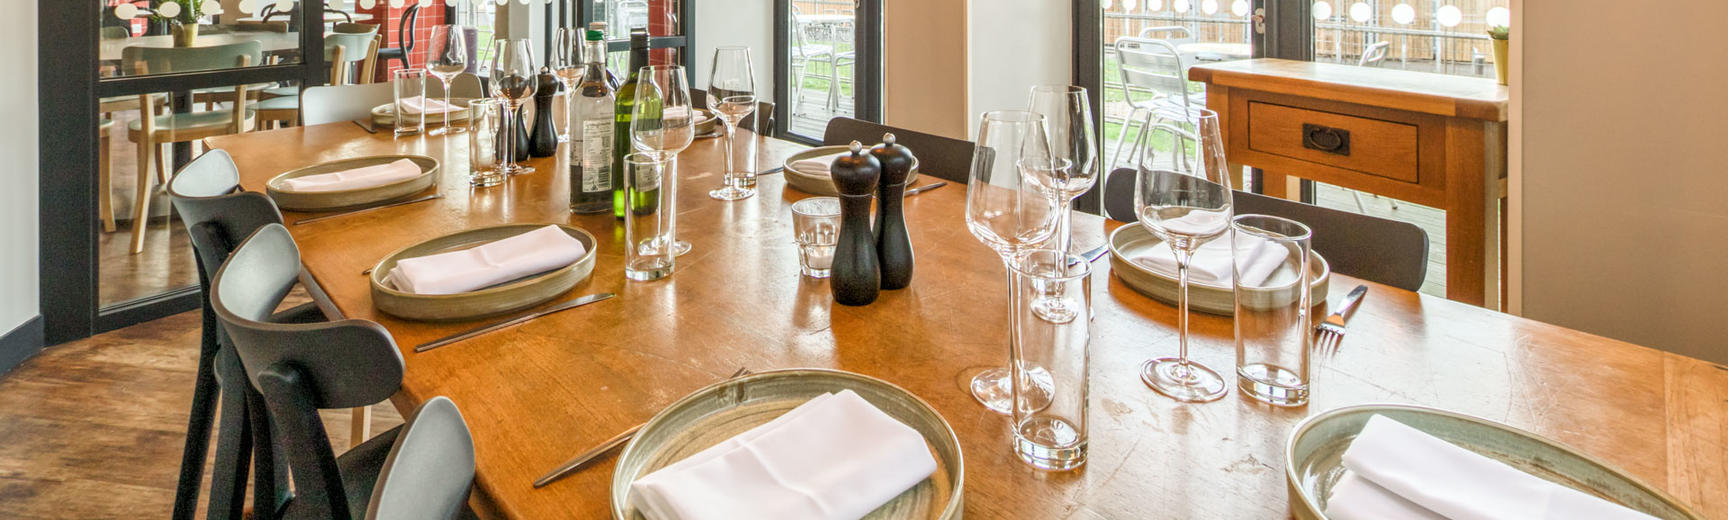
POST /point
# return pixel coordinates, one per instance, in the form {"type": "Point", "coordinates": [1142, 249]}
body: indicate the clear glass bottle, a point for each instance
{"type": "Point", "coordinates": [591, 129]}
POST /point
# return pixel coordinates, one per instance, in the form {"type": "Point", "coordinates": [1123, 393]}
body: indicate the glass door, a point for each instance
{"type": "Point", "coordinates": [827, 63]}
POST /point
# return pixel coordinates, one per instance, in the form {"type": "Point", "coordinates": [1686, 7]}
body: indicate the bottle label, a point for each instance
{"type": "Point", "coordinates": [596, 155]}
{"type": "Point", "coordinates": [647, 179]}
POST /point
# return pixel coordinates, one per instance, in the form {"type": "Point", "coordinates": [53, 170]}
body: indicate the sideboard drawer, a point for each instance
{"type": "Point", "coordinates": [1371, 146]}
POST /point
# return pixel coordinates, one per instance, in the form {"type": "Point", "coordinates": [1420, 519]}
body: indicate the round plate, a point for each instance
{"type": "Point", "coordinates": [1313, 458]}
{"type": "Point", "coordinates": [1133, 240]}
{"type": "Point", "coordinates": [728, 408]}
{"type": "Point", "coordinates": [819, 183]}
{"type": "Point", "coordinates": [706, 124]}
{"type": "Point", "coordinates": [330, 200]}
{"type": "Point", "coordinates": [385, 114]}
{"type": "Point", "coordinates": [490, 301]}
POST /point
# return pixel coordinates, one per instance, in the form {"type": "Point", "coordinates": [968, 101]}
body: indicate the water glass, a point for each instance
{"type": "Point", "coordinates": [1272, 304]}
{"type": "Point", "coordinates": [409, 84]}
{"type": "Point", "coordinates": [486, 119]}
{"type": "Point", "coordinates": [816, 223]}
{"type": "Point", "coordinates": [648, 233]}
{"type": "Point", "coordinates": [1049, 361]}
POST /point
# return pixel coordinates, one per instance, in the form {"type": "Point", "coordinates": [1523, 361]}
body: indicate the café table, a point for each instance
{"type": "Point", "coordinates": [273, 42]}
{"type": "Point", "coordinates": [1216, 51]}
{"type": "Point", "coordinates": [536, 394]}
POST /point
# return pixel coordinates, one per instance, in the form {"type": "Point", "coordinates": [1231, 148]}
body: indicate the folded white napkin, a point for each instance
{"type": "Point", "coordinates": [1212, 263]}
{"type": "Point", "coordinates": [1459, 484]}
{"type": "Point", "coordinates": [424, 105]}
{"type": "Point", "coordinates": [363, 177]}
{"type": "Point", "coordinates": [488, 264]}
{"type": "Point", "coordinates": [817, 165]}
{"type": "Point", "coordinates": [1355, 498]}
{"type": "Point", "coordinates": [835, 457]}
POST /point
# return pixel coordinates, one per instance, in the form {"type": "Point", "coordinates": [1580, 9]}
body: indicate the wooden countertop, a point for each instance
{"type": "Point", "coordinates": [1425, 92]}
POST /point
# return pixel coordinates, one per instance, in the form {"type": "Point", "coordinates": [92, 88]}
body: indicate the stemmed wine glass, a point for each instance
{"type": "Point", "coordinates": [732, 96]}
{"type": "Point", "coordinates": [567, 66]}
{"type": "Point", "coordinates": [447, 58]}
{"type": "Point", "coordinates": [663, 122]}
{"type": "Point", "coordinates": [1068, 123]}
{"type": "Point", "coordinates": [513, 78]}
{"type": "Point", "coordinates": [1009, 214]}
{"type": "Point", "coordinates": [1182, 196]}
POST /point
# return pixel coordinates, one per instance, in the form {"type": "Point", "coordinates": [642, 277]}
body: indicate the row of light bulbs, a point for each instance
{"type": "Point", "coordinates": [128, 11]}
{"type": "Point", "coordinates": [1448, 15]}
{"type": "Point", "coordinates": [1237, 7]}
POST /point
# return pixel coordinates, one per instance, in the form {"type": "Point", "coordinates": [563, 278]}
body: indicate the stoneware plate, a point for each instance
{"type": "Point", "coordinates": [819, 183]}
{"type": "Point", "coordinates": [706, 124]}
{"type": "Point", "coordinates": [498, 299]}
{"type": "Point", "coordinates": [728, 408]}
{"type": "Point", "coordinates": [331, 200]}
{"type": "Point", "coordinates": [1313, 458]}
{"type": "Point", "coordinates": [1132, 240]}
{"type": "Point", "coordinates": [385, 114]}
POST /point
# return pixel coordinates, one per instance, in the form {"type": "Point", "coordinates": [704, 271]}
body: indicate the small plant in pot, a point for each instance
{"type": "Point", "coordinates": [1500, 35]}
{"type": "Point", "coordinates": [182, 16]}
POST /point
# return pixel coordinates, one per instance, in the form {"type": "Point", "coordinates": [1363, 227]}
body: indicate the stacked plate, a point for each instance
{"type": "Point", "coordinates": [818, 182]}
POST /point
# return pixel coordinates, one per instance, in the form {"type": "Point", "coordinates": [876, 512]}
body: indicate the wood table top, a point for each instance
{"type": "Point", "coordinates": [1425, 92]}
{"type": "Point", "coordinates": [541, 392]}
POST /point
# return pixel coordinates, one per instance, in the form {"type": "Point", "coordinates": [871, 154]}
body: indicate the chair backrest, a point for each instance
{"type": "Point", "coordinates": [940, 157]}
{"type": "Point", "coordinates": [1374, 53]}
{"type": "Point", "coordinates": [1175, 34]}
{"type": "Point", "coordinates": [464, 85]}
{"type": "Point", "coordinates": [1371, 248]}
{"type": "Point", "coordinates": [760, 121]}
{"type": "Point", "coordinates": [430, 469]}
{"type": "Point", "coordinates": [138, 59]}
{"type": "Point", "coordinates": [354, 45]}
{"type": "Point", "coordinates": [329, 104]}
{"type": "Point", "coordinates": [405, 28]}
{"type": "Point", "coordinates": [1151, 65]}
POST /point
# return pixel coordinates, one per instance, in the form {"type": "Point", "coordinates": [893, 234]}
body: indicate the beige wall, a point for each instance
{"type": "Point", "coordinates": [1625, 183]}
{"type": "Point", "coordinates": [18, 231]}
{"type": "Point", "coordinates": [925, 74]}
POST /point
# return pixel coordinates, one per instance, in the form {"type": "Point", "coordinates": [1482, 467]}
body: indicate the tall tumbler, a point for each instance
{"type": "Point", "coordinates": [486, 117]}
{"type": "Point", "coordinates": [648, 233]}
{"type": "Point", "coordinates": [410, 88]}
{"type": "Point", "coordinates": [1272, 304]}
{"type": "Point", "coordinates": [1049, 361]}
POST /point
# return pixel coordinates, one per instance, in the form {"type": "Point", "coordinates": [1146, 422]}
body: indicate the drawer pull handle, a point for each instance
{"type": "Point", "coordinates": [1326, 139]}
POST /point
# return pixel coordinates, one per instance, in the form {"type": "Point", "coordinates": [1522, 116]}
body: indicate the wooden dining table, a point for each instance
{"type": "Point", "coordinates": [537, 394]}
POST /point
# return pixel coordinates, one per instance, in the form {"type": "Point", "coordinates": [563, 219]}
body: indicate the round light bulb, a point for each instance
{"type": "Point", "coordinates": [1209, 6]}
{"type": "Point", "coordinates": [398, 4]}
{"type": "Point", "coordinates": [1239, 8]}
{"type": "Point", "coordinates": [1403, 14]}
{"type": "Point", "coordinates": [1181, 6]}
{"type": "Point", "coordinates": [284, 6]}
{"type": "Point", "coordinates": [168, 9]}
{"type": "Point", "coordinates": [1449, 15]}
{"type": "Point", "coordinates": [1361, 12]}
{"type": "Point", "coordinates": [212, 8]}
{"type": "Point", "coordinates": [1109, 4]}
{"type": "Point", "coordinates": [1322, 10]}
{"type": "Point", "coordinates": [1499, 17]}
{"type": "Point", "coordinates": [126, 11]}
{"type": "Point", "coordinates": [368, 4]}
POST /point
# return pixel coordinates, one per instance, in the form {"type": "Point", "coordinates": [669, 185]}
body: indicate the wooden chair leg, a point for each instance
{"type": "Point", "coordinates": [104, 185]}
{"type": "Point", "coordinates": [360, 428]}
{"type": "Point", "coordinates": [164, 150]}
{"type": "Point", "coordinates": [141, 197]}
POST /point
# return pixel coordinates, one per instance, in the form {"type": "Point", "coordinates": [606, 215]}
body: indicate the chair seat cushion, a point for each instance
{"type": "Point", "coordinates": [188, 120]}
{"type": "Point", "coordinates": [278, 103]}
{"type": "Point", "coordinates": [282, 91]}
{"type": "Point", "coordinates": [360, 467]}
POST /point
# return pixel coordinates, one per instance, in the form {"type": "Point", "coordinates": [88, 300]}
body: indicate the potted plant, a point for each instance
{"type": "Point", "coordinates": [1500, 35]}
{"type": "Point", "coordinates": [182, 17]}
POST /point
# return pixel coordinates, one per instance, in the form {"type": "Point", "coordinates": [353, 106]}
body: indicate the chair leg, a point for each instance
{"type": "Point", "coordinates": [204, 393]}
{"type": "Point", "coordinates": [1127, 122]}
{"type": "Point", "coordinates": [270, 489]}
{"type": "Point", "coordinates": [797, 87]}
{"type": "Point", "coordinates": [141, 195]}
{"type": "Point", "coordinates": [104, 186]}
{"type": "Point", "coordinates": [360, 428]}
{"type": "Point", "coordinates": [233, 442]}
{"type": "Point", "coordinates": [165, 149]}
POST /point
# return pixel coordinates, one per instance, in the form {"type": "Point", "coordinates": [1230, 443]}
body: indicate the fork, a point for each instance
{"type": "Point", "coordinates": [1330, 332]}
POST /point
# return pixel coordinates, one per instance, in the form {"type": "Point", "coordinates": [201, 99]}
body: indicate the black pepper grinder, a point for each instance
{"type": "Point", "coordinates": [855, 277]}
{"type": "Point", "coordinates": [893, 245]}
{"type": "Point", "coordinates": [544, 141]}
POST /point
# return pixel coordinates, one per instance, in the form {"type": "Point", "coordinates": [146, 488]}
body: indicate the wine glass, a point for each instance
{"type": "Point", "coordinates": [513, 78]}
{"type": "Point", "coordinates": [732, 96]}
{"type": "Point", "coordinates": [1010, 215]}
{"type": "Point", "coordinates": [1182, 195]}
{"type": "Point", "coordinates": [1071, 172]}
{"type": "Point", "coordinates": [567, 66]}
{"type": "Point", "coordinates": [447, 57]}
{"type": "Point", "coordinates": [663, 122]}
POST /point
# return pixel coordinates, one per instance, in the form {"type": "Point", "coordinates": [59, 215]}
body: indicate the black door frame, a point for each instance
{"type": "Point", "coordinates": [686, 32]}
{"type": "Point", "coordinates": [866, 69]}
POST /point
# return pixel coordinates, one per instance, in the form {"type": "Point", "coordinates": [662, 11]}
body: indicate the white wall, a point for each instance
{"type": "Point", "coordinates": [1014, 45]}
{"type": "Point", "coordinates": [1625, 187]}
{"type": "Point", "coordinates": [735, 22]}
{"type": "Point", "coordinates": [18, 243]}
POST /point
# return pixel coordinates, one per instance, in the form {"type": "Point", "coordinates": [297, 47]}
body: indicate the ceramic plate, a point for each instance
{"type": "Point", "coordinates": [818, 182]}
{"type": "Point", "coordinates": [728, 408]}
{"type": "Point", "coordinates": [385, 114]}
{"type": "Point", "coordinates": [706, 124]}
{"type": "Point", "coordinates": [1132, 240]}
{"type": "Point", "coordinates": [503, 298]}
{"type": "Point", "coordinates": [1313, 458]}
{"type": "Point", "coordinates": [330, 200]}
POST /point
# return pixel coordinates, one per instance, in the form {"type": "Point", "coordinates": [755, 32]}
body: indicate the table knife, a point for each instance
{"type": "Point", "coordinates": [363, 210]}
{"type": "Point", "coordinates": [512, 321]}
{"type": "Point", "coordinates": [927, 187]}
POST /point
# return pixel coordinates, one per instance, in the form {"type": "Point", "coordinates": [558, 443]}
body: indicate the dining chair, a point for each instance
{"type": "Point", "coordinates": [760, 121]}
{"type": "Point", "coordinates": [343, 52]}
{"type": "Point", "coordinates": [329, 104]}
{"type": "Point", "coordinates": [464, 85]}
{"type": "Point", "coordinates": [404, 37]}
{"type": "Point", "coordinates": [105, 175]}
{"type": "Point", "coordinates": [151, 131]}
{"type": "Point", "coordinates": [803, 52]}
{"type": "Point", "coordinates": [1156, 67]}
{"type": "Point", "coordinates": [1371, 248]}
{"type": "Point", "coordinates": [941, 157]}
{"type": "Point", "coordinates": [424, 469]}
{"type": "Point", "coordinates": [1373, 54]}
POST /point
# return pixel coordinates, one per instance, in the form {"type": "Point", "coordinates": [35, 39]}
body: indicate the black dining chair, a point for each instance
{"type": "Point", "coordinates": [404, 37]}
{"type": "Point", "coordinates": [760, 121]}
{"type": "Point", "coordinates": [941, 157]}
{"type": "Point", "coordinates": [422, 470]}
{"type": "Point", "coordinates": [1371, 248]}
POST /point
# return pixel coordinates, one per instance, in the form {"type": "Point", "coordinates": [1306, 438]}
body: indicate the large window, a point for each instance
{"type": "Point", "coordinates": [1443, 36]}
{"type": "Point", "coordinates": [826, 54]}
{"type": "Point", "coordinates": [1148, 47]}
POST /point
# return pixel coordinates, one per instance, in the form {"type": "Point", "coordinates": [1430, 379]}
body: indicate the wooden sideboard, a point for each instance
{"type": "Point", "coordinates": [1430, 139]}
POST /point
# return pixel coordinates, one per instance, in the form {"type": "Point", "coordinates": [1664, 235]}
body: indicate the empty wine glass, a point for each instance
{"type": "Point", "coordinates": [1070, 173]}
{"type": "Point", "coordinates": [663, 122]}
{"type": "Point", "coordinates": [1182, 196]}
{"type": "Point", "coordinates": [1009, 214]}
{"type": "Point", "coordinates": [567, 66]}
{"type": "Point", "coordinates": [447, 58]}
{"type": "Point", "coordinates": [513, 81]}
{"type": "Point", "coordinates": [732, 96]}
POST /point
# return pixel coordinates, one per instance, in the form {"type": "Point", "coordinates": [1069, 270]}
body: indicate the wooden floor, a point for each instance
{"type": "Point", "coordinates": [94, 428]}
{"type": "Point", "coordinates": [166, 262]}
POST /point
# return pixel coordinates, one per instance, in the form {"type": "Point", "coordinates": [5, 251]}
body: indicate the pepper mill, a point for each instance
{"type": "Point", "coordinates": [544, 141]}
{"type": "Point", "coordinates": [855, 277]}
{"type": "Point", "coordinates": [893, 245]}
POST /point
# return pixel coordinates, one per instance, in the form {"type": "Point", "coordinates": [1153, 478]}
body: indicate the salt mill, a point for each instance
{"type": "Point", "coordinates": [544, 140]}
{"type": "Point", "coordinates": [855, 277]}
{"type": "Point", "coordinates": [893, 246]}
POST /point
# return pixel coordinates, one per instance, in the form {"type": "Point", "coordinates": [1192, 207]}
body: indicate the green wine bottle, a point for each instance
{"type": "Point", "coordinates": [622, 109]}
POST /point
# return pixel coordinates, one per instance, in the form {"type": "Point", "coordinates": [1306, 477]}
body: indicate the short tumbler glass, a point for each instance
{"type": "Point", "coordinates": [409, 84]}
{"type": "Point", "coordinates": [1049, 361]}
{"type": "Point", "coordinates": [485, 116]}
{"type": "Point", "coordinates": [648, 232]}
{"type": "Point", "coordinates": [816, 225]}
{"type": "Point", "coordinates": [1272, 305]}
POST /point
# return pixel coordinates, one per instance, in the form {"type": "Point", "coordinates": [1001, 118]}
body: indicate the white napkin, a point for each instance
{"type": "Point", "coordinates": [488, 264]}
{"type": "Point", "coordinates": [1355, 498]}
{"type": "Point", "coordinates": [835, 457]}
{"type": "Point", "coordinates": [363, 177]}
{"type": "Point", "coordinates": [1459, 484]}
{"type": "Point", "coordinates": [424, 105]}
{"type": "Point", "coordinates": [1212, 261]}
{"type": "Point", "coordinates": [817, 165]}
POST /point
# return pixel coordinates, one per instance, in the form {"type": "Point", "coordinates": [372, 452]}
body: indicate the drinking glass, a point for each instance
{"type": "Point", "coordinates": [1182, 196]}
{"type": "Point", "coordinates": [816, 225]}
{"type": "Point", "coordinates": [567, 66]}
{"type": "Point", "coordinates": [732, 96]}
{"type": "Point", "coordinates": [1009, 215]}
{"type": "Point", "coordinates": [513, 81]}
{"type": "Point", "coordinates": [1067, 115]}
{"type": "Point", "coordinates": [1272, 303]}
{"type": "Point", "coordinates": [408, 84]}
{"type": "Point", "coordinates": [447, 58]}
{"type": "Point", "coordinates": [663, 121]}
{"type": "Point", "coordinates": [485, 142]}
{"type": "Point", "coordinates": [647, 231]}
{"type": "Point", "coordinates": [1050, 362]}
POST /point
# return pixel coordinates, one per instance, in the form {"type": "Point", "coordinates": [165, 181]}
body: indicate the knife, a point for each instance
{"type": "Point", "coordinates": [927, 187]}
{"type": "Point", "coordinates": [366, 125]}
{"type": "Point", "coordinates": [363, 210]}
{"type": "Point", "coordinates": [512, 321]}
